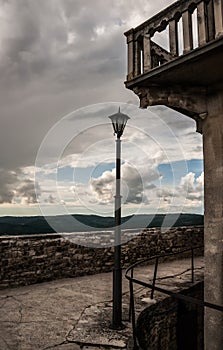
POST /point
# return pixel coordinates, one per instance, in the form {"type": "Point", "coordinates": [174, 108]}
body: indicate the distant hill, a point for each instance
{"type": "Point", "coordinates": [11, 225]}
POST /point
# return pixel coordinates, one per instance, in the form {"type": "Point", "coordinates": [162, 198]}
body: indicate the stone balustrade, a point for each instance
{"type": "Point", "coordinates": [144, 54]}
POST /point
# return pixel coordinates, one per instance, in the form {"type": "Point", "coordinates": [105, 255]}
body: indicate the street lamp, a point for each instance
{"type": "Point", "coordinates": [119, 121]}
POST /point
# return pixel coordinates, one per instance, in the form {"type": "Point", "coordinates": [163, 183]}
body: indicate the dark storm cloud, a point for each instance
{"type": "Point", "coordinates": [56, 56]}
{"type": "Point", "coordinates": [7, 181]}
{"type": "Point", "coordinates": [43, 77]}
{"type": "Point", "coordinates": [13, 188]}
{"type": "Point", "coordinates": [27, 191]}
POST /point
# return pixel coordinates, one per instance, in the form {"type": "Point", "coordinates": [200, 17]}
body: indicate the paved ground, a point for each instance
{"type": "Point", "coordinates": [74, 313]}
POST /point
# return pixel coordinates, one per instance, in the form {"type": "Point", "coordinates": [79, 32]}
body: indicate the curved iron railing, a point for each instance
{"type": "Point", "coordinates": [129, 274]}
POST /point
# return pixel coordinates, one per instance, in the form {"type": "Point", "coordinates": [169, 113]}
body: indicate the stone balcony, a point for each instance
{"type": "Point", "coordinates": [193, 52]}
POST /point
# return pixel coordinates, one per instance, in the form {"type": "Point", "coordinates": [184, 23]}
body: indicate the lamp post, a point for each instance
{"type": "Point", "coordinates": [119, 121]}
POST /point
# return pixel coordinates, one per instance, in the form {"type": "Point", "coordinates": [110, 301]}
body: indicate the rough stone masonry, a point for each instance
{"type": "Point", "coordinates": [38, 258]}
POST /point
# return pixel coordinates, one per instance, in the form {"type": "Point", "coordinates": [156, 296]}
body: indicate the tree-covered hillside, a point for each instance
{"type": "Point", "coordinates": [10, 225]}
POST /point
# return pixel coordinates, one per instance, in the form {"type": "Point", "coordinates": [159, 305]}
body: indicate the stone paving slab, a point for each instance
{"type": "Point", "coordinates": [94, 328]}
{"type": "Point", "coordinates": [75, 313]}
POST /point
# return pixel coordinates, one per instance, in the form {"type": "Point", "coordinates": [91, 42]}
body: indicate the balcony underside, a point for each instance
{"type": "Point", "coordinates": [201, 67]}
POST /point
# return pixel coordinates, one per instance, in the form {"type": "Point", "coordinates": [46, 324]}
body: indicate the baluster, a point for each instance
{"type": "Point", "coordinates": [146, 53]}
{"type": "Point", "coordinates": [130, 42]}
{"type": "Point", "coordinates": [137, 59]}
{"type": "Point", "coordinates": [202, 35]}
{"type": "Point", "coordinates": [155, 59]}
{"type": "Point", "coordinates": [210, 20]}
{"type": "Point", "coordinates": [173, 36]}
{"type": "Point", "coordinates": [187, 31]}
{"type": "Point", "coordinates": [218, 16]}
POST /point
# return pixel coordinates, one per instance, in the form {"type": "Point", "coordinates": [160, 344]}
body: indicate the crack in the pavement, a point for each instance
{"type": "Point", "coordinates": [8, 347]}
{"type": "Point", "coordinates": [77, 321]}
{"type": "Point", "coordinates": [56, 345]}
{"type": "Point", "coordinates": [92, 305]}
{"type": "Point", "coordinates": [178, 274]}
{"type": "Point", "coordinates": [10, 296]}
{"type": "Point", "coordinates": [19, 309]}
{"type": "Point", "coordinates": [3, 304]}
{"type": "Point", "coordinates": [67, 341]}
{"type": "Point", "coordinates": [81, 344]}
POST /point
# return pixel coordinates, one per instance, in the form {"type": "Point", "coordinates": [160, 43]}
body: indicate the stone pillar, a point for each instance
{"type": "Point", "coordinates": [210, 20]}
{"type": "Point", "coordinates": [213, 202]}
{"type": "Point", "coordinates": [187, 31]}
{"type": "Point", "coordinates": [130, 43]}
{"type": "Point", "coordinates": [146, 53]}
{"type": "Point", "coordinates": [137, 58]}
{"type": "Point", "coordinates": [218, 15]}
{"type": "Point", "coordinates": [173, 38]}
{"type": "Point", "coordinates": [201, 22]}
{"type": "Point", "coordinates": [207, 104]}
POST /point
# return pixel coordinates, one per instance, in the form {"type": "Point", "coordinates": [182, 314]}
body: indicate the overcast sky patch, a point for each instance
{"type": "Point", "coordinates": [58, 56]}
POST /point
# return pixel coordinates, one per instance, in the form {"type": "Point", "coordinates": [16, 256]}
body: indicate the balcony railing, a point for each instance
{"type": "Point", "coordinates": [189, 23]}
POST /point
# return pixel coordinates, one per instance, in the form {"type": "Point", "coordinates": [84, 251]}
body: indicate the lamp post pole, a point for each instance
{"type": "Point", "coordinates": [119, 121]}
{"type": "Point", "coordinates": [117, 271]}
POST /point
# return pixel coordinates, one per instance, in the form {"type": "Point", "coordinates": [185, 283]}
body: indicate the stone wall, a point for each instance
{"type": "Point", "coordinates": [37, 258]}
{"type": "Point", "coordinates": [172, 324]}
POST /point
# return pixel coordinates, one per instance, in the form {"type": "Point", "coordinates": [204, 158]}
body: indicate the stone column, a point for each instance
{"type": "Point", "coordinates": [218, 14]}
{"type": "Point", "coordinates": [173, 38]}
{"type": "Point", "coordinates": [146, 53]}
{"type": "Point", "coordinates": [210, 20]}
{"type": "Point", "coordinates": [201, 22]}
{"type": "Point", "coordinates": [213, 202]}
{"type": "Point", "coordinates": [187, 31]}
{"type": "Point", "coordinates": [137, 58]}
{"type": "Point", "coordinates": [130, 43]}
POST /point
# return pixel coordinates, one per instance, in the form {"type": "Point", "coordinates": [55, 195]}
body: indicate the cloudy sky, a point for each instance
{"type": "Point", "coordinates": [62, 73]}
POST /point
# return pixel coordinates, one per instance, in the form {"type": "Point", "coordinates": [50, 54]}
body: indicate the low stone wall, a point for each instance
{"type": "Point", "coordinates": [173, 324]}
{"type": "Point", "coordinates": [38, 258]}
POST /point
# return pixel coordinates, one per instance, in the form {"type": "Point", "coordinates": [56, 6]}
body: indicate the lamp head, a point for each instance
{"type": "Point", "coordinates": [119, 121]}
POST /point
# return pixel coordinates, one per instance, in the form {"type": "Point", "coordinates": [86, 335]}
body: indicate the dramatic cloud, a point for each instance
{"type": "Point", "coordinates": [58, 56]}
{"type": "Point", "coordinates": [193, 187]}
{"type": "Point", "coordinates": [140, 187]}
{"type": "Point", "coordinates": [188, 194]}
{"type": "Point", "coordinates": [103, 186]}
{"type": "Point", "coordinates": [7, 181]}
{"type": "Point", "coordinates": [28, 192]}
{"type": "Point", "coordinates": [14, 188]}
{"type": "Point", "coordinates": [135, 184]}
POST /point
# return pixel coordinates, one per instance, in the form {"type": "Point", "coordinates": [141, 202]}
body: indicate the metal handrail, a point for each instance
{"type": "Point", "coordinates": [153, 287]}
{"type": "Point", "coordinates": [157, 257]}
